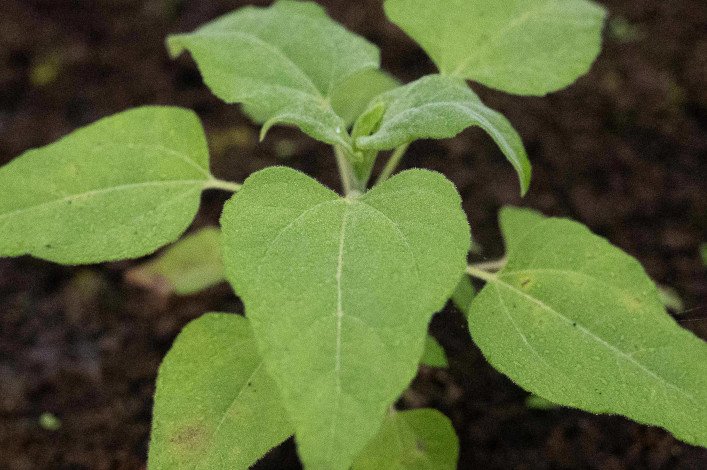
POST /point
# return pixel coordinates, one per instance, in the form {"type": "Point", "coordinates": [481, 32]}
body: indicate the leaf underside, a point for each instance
{"type": "Point", "coordinates": [577, 321]}
{"type": "Point", "coordinates": [284, 63]}
{"type": "Point", "coordinates": [526, 47]}
{"type": "Point", "coordinates": [440, 107]}
{"type": "Point", "coordinates": [215, 406]}
{"type": "Point", "coordinates": [340, 292]}
{"type": "Point", "coordinates": [119, 188]}
{"type": "Point", "coordinates": [189, 266]}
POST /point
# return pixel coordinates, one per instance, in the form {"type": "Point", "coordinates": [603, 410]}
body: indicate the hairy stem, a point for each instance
{"type": "Point", "coordinates": [392, 164]}
{"type": "Point", "coordinates": [494, 265]}
{"type": "Point", "coordinates": [354, 185]}
{"type": "Point", "coordinates": [223, 185]}
{"type": "Point", "coordinates": [480, 274]}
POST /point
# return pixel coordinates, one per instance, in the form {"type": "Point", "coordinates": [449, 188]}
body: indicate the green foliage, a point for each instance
{"type": "Point", "coordinates": [434, 355]}
{"type": "Point", "coordinates": [463, 295]}
{"type": "Point", "coordinates": [119, 188]}
{"type": "Point", "coordinates": [578, 322]}
{"type": "Point", "coordinates": [526, 47]}
{"type": "Point", "coordinates": [339, 292]}
{"type": "Point", "coordinates": [536, 402]}
{"type": "Point", "coordinates": [284, 63]}
{"type": "Point", "coordinates": [440, 107]}
{"type": "Point", "coordinates": [412, 440]}
{"type": "Point", "coordinates": [189, 266]}
{"type": "Point", "coordinates": [215, 406]}
{"type": "Point", "coordinates": [350, 98]}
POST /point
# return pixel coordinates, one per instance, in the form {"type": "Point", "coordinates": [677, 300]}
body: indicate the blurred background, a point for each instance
{"type": "Point", "coordinates": [623, 151]}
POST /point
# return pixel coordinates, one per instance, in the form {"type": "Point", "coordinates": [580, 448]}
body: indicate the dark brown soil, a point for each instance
{"type": "Point", "coordinates": [622, 151]}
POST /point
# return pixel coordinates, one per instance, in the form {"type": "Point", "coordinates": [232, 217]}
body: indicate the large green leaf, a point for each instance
{"type": "Point", "coordinates": [340, 292]}
{"type": "Point", "coordinates": [439, 107]}
{"type": "Point", "coordinates": [283, 62]}
{"type": "Point", "coordinates": [215, 406]}
{"type": "Point", "coordinates": [187, 267]}
{"type": "Point", "coordinates": [119, 188]}
{"type": "Point", "coordinates": [421, 439]}
{"type": "Point", "coordinates": [527, 47]}
{"type": "Point", "coordinates": [577, 321]}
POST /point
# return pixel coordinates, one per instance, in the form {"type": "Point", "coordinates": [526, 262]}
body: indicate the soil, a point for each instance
{"type": "Point", "coordinates": [623, 151]}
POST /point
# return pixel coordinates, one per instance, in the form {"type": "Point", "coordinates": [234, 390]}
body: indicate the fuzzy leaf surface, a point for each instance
{"type": "Point", "coordinates": [189, 266]}
{"type": "Point", "coordinates": [119, 188]}
{"type": "Point", "coordinates": [440, 107]}
{"type": "Point", "coordinates": [526, 47]}
{"type": "Point", "coordinates": [340, 293]}
{"type": "Point", "coordinates": [216, 408]}
{"type": "Point", "coordinates": [351, 97]}
{"type": "Point", "coordinates": [577, 321]}
{"type": "Point", "coordinates": [282, 62]}
{"type": "Point", "coordinates": [421, 439]}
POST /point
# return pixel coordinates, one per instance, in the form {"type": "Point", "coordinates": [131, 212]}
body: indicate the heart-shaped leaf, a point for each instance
{"type": "Point", "coordinates": [440, 107]}
{"type": "Point", "coordinates": [283, 63]}
{"type": "Point", "coordinates": [119, 188]}
{"type": "Point", "coordinates": [577, 321]}
{"type": "Point", "coordinates": [215, 406]}
{"type": "Point", "coordinates": [527, 47]}
{"type": "Point", "coordinates": [340, 292]}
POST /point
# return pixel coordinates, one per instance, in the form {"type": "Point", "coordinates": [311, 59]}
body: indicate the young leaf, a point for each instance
{"type": "Point", "coordinates": [434, 355]}
{"type": "Point", "coordinates": [421, 439]}
{"type": "Point", "coordinates": [340, 292]}
{"type": "Point", "coordinates": [577, 321]}
{"type": "Point", "coordinates": [215, 406]}
{"type": "Point", "coordinates": [189, 266]}
{"type": "Point", "coordinates": [350, 98]}
{"type": "Point", "coordinates": [119, 188]}
{"type": "Point", "coordinates": [283, 62]}
{"type": "Point", "coordinates": [439, 107]}
{"type": "Point", "coordinates": [526, 47]}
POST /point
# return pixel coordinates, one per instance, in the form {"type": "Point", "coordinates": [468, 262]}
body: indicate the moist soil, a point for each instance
{"type": "Point", "coordinates": [623, 151]}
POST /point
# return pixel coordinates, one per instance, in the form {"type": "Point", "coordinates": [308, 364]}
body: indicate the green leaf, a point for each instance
{"type": "Point", "coordinates": [119, 188]}
{"type": "Point", "coordinates": [440, 107]}
{"type": "Point", "coordinates": [283, 62]}
{"type": "Point", "coordinates": [517, 224]}
{"type": "Point", "coordinates": [536, 402]}
{"type": "Point", "coordinates": [215, 406]}
{"type": "Point", "coordinates": [577, 321]}
{"type": "Point", "coordinates": [340, 292]}
{"type": "Point", "coordinates": [526, 47]}
{"type": "Point", "coordinates": [351, 97]}
{"type": "Point", "coordinates": [464, 294]}
{"type": "Point", "coordinates": [434, 355]}
{"type": "Point", "coordinates": [421, 439]}
{"type": "Point", "coordinates": [187, 267]}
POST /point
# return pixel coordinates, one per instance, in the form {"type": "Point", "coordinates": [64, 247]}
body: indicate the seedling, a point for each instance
{"type": "Point", "coordinates": [339, 289]}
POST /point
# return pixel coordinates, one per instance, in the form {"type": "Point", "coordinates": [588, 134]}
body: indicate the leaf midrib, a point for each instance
{"type": "Point", "coordinates": [95, 192]}
{"type": "Point", "coordinates": [497, 280]}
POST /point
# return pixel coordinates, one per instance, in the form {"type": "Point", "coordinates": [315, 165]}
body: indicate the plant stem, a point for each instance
{"type": "Point", "coordinates": [223, 185]}
{"type": "Point", "coordinates": [392, 163]}
{"type": "Point", "coordinates": [495, 265]}
{"type": "Point", "coordinates": [345, 170]}
{"type": "Point", "coordinates": [480, 274]}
